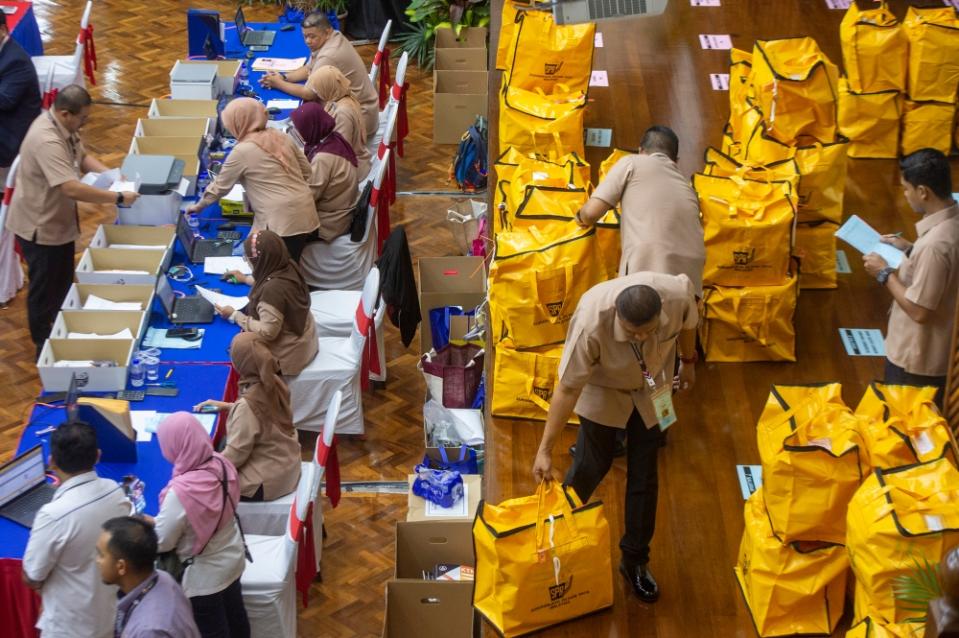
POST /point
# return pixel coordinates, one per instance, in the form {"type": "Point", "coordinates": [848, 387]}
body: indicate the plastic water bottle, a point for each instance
{"type": "Point", "coordinates": [137, 373]}
{"type": "Point", "coordinates": [244, 74]}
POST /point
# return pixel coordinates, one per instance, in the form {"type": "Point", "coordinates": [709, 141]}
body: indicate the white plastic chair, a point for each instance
{"type": "Point", "coordinates": [382, 60]}
{"type": "Point", "coordinates": [58, 71]}
{"type": "Point", "coordinates": [396, 104]}
{"type": "Point", "coordinates": [268, 583]}
{"type": "Point", "coordinates": [337, 367]}
{"type": "Point", "coordinates": [269, 518]}
{"type": "Point", "coordinates": [11, 273]}
{"type": "Point", "coordinates": [343, 264]}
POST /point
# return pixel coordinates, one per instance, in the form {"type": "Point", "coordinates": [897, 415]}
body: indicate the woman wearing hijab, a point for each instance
{"type": "Point", "coordinates": [273, 172]}
{"type": "Point", "coordinates": [334, 180]}
{"type": "Point", "coordinates": [261, 441]}
{"type": "Point", "coordinates": [197, 519]}
{"type": "Point", "coordinates": [279, 306]}
{"type": "Point", "coordinates": [333, 89]}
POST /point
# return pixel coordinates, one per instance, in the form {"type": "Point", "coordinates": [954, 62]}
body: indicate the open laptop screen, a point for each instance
{"type": "Point", "coordinates": [21, 475]}
{"type": "Point", "coordinates": [185, 234]}
{"type": "Point", "coordinates": [240, 23]}
{"type": "Point", "coordinates": [165, 292]}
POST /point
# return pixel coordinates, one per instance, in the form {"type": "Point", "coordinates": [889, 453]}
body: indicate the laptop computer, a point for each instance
{"type": "Point", "coordinates": [194, 309]}
{"type": "Point", "coordinates": [24, 488]}
{"type": "Point", "coordinates": [199, 248]}
{"type": "Point", "coordinates": [249, 36]}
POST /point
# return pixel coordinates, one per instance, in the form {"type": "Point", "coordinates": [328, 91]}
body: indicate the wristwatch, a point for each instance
{"type": "Point", "coordinates": [883, 276]}
{"type": "Point", "coordinates": [119, 198]}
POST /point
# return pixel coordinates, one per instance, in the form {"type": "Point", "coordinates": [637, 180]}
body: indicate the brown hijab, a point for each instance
{"type": "Point", "coordinates": [330, 85]}
{"type": "Point", "coordinates": [246, 119]}
{"type": "Point", "coordinates": [261, 385]}
{"type": "Point", "coordinates": [277, 280]}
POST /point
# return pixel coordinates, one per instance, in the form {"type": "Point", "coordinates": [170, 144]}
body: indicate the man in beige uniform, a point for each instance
{"type": "Point", "coordinates": [43, 211]}
{"type": "Point", "coordinates": [660, 228]}
{"type": "Point", "coordinates": [328, 46]}
{"type": "Point", "coordinates": [926, 284]}
{"type": "Point", "coordinates": [617, 373]}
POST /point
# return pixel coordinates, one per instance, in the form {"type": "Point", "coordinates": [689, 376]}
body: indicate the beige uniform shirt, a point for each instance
{"type": "Point", "coordinates": [661, 229]}
{"type": "Point", "coordinates": [335, 192]}
{"type": "Point", "coordinates": [263, 454]}
{"type": "Point", "coordinates": [338, 52]}
{"type": "Point", "coordinates": [931, 276]}
{"type": "Point", "coordinates": [599, 359]}
{"type": "Point", "coordinates": [49, 157]}
{"type": "Point", "coordinates": [349, 124]}
{"type": "Point", "coordinates": [282, 202]}
{"type": "Point", "coordinates": [293, 351]}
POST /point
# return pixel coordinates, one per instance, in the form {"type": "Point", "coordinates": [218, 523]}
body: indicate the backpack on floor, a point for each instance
{"type": "Point", "coordinates": [470, 165]}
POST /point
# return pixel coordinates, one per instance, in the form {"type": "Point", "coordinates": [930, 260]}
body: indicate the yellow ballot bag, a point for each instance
{"type": "Point", "coordinates": [875, 50]}
{"type": "Point", "coordinates": [933, 53]}
{"type": "Point", "coordinates": [753, 323]}
{"type": "Point", "coordinates": [869, 628]}
{"type": "Point", "coordinates": [812, 460]}
{"type": "Point", "coordinates": [607, 165]}
{"type": "Point", "coordinates": [567, 170]}
{"type": "Point", "coordinates": [524, 380]}
{"type": "Point", "coordinates": [748, 229]}
{"type": "Point", "coordinates": [795, 87]}
{"type": "Point", "coordinates": [504, 47]}
{"type": "Point", "coordinates": [547, 125]}
{"type": "Point", "coordinates": [790, 589]}
{"type": "Point", "coordinates": [870, 121]}
{"type": "Point", "coordinates": [720, 164]}
{"type": "Point", "coordinates": [927, 125]}
{"type": "Point", "coordinates": [816, 252]}
{"type": "Point", "coordinates": [536, 280]}
{"type": "Point", "coordinates": [740, 87]}
{"type": "Point", "coordinates": [901, 425]}
{"type": "Point", "coordinates": [898, 520]}
{"type": "Point", "coordinates": [536, 204]}
{"type": "Point", "coordinates": [541, 560]}
{"type": "Point", "coordinates": [546, 57]}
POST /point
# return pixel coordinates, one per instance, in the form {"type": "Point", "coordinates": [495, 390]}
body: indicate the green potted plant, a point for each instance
{"type": "Point", "coordinates": [426, 16]}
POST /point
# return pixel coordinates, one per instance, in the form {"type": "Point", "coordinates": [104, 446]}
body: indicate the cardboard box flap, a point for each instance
{"type": "Point", "coordinates": [461, 60]}
{"type": "Point", "coordinates": [224, 68]}
{"type": "Point", "coordinates": [159, 236]}
{"type": "Point", "coordinates": [452, 274]}
{"type": "Point", "coordinates": [204, 73]}
{"type": "Point", "coordinates": [416, 609]}
{"type": "Point", "coordinates": [183, 108]}
{"type": "Point", "coordinates": [100, 322]}
{"type": "Point", "coordinates": [120, 259]}
{"type": "Point", "coordinates": [460, 82]}
{"type": "Point", "coordinates": [421, 545]}
{"type": "Point", "coordinates": [181, 127]}
{"type": "Point", "coordinates": [116, 350]}
{"type": "Point", "coordinates": [174, 145]}
{"type": "Point", "coordinates": [469, 38]}
{"type": "Point", "coordinates": [113, 292]}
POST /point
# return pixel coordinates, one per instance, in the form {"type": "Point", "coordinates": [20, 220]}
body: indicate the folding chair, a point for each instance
{"type": "Point", "coordinates": [58, 71]}
{"type": "Point", "coordinates": [380, 69]}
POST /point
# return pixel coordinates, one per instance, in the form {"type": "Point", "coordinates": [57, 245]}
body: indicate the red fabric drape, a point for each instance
{"type": "Point", "coordinates": [19, 606]}
{"type": "Point", "coordinates": [306, 558]}
{"type": "Point", "coordinates": [402, 122]}
{"type": "Point", "coordinates": [48, 99]}
{"type": "Point", "coordinates": [370, 360]}
{"type": "Point", "coordinates": [382, 59]}
{"type": "Point", "coordinates": [332, 474]}
{"type": "Point", "coordinates": [89, 53]}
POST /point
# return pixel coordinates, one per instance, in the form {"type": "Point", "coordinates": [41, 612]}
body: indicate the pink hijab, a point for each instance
{"type": "Point", "coordinates": [197, 474]}
{"type": "Point", "coordinates": [246, 119]}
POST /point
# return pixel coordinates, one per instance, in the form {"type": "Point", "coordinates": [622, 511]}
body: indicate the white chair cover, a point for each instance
{"type": "Point", "coordinates": [396, 92]}
{"type": "Point", "coordinates": [380, 52]}
{"type": "Point", "coordinates": [333, 315]}
{"type": "Point", "coordinates": [343, 264]}
{"type": "Point", "coordinates": [336, 367]}
{"type": "Point", "coordinates": [268, 583]}
{"type": "Point", "coordinates": [58, 71]}
{"type": "Point", "coordinates": [11, 274]}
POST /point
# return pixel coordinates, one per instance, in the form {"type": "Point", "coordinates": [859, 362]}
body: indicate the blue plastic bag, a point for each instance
{"type": "Point", "coordinates": [442, 487]}
{"type": "Point", "coordinates": [466, 464]}
{"type": "Point", "coordinates": [440, 324]}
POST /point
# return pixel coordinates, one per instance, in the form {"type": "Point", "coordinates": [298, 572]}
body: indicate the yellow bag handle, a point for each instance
{"type": "Point", "coordinates": [534, 286]}
{"type": "Point", "coordinates": [556, 490]}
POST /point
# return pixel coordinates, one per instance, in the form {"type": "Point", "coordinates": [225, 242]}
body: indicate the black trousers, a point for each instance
{"type": "Point", "coordinates": [595, 445]}
{"type": "Point", "coordinates": [296, 243]}
{"type": "Point", "coordinates": [221, 615]}
{"type": "Point", "coordinates": [50, 269]}
{"type": "Point", "coordinates": [898, 376]}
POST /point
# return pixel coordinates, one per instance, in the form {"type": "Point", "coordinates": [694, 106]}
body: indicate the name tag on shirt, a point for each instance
{"type": "Point", "coordinates": [663, 404]}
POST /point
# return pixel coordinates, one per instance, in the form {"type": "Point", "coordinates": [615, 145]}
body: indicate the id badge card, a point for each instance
{"type": "Point", "coordinates": [663, 404]}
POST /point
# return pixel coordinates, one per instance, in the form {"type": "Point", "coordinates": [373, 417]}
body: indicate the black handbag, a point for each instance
{"type": "Point", "coordinates": [360, 213]}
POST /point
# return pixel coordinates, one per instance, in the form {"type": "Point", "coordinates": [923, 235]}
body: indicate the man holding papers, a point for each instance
{"type": "Point", "coordinates": [925, 285]}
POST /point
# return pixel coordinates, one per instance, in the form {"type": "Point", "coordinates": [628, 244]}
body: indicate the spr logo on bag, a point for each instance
{"type": "Point", "coordinates": [543, 393]}
{"type": "Point", "coordinates": [743, 256]}
{"type": "Point", "coordinates": [557, 592]}
{"type": "Point", "coordinates": [554, 308]}
{"type": "Point", "coordinates": [552, 69]}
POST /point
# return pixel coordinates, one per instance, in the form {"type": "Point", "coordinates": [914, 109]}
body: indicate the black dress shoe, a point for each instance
{"type": "Point", "coordinates": [618, 450]}
{"type": "Point", "coordinates": [642, 581]}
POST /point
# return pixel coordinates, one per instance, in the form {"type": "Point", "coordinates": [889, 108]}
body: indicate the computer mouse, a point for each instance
{"type": "Point", "coordinates": [287, 27]}
{"type": "Point", "coordinates": [249, 55]}
{"type": "Point", "coordinates": [272, 110]}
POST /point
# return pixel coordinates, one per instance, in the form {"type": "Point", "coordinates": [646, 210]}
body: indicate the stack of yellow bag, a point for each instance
{"type": "Point", "coordinates": [783, 105]}
{"type": "Point", "coordinates": [899, 93]}
{"type": "Point", "coordinates": [792, 565]}
{"type": "Point", "coordinates": [543, 261]}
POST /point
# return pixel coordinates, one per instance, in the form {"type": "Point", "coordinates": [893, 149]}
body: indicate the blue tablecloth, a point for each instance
{"type": "Point", "coordinates": [196, 383]}
{"type": "Point", "coordinates": [25, 30]}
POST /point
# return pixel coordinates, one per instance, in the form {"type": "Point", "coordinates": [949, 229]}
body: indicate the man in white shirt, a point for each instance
{"type": "Point", "coordinates": [60, 561]}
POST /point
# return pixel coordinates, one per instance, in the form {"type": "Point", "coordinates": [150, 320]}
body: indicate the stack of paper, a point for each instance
{"type": "Point", "coordinates": [280, 65]}
{"type": "Point", "coordinates": [220, 265]}
{"type": "Point", "coordinates": [98, 303]}
{"type": "Point", "coordinates": [864, 238]}
{"type": "Point", "coordinates": [145, 422]}
{"type": "Point", "coordinates": [123, 334]}
{"type": "Point", "coordinates": [218, 299]}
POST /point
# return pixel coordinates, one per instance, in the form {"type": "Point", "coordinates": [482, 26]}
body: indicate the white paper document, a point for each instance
{"type": "Point", "coordinates": [719, 41]}
{"type": "Point", "coordinates": [704, 3]}
{"type": "Point", "coordinates": [125, 186]}
{"type": "Point", "coordinates": [278, 64]}
{"type": "Point", "coordinates": [598, 40]}
{"type": "Point", "coordinates": [123, 334]}
{"type": "Point", "coordinates": [102, 180]}
{"type": "Point", "coordinates": [283, 105]}
{"type": "Point", "coordinates": [220, 265]}
{"type": "Point", "coordinates": [99, 303]}
{"type": "Point", "coordinates": [842, 263]}
{"type": "Point", "coordinates": [599, 78]}
{"type": "Point", "coordinates": [720, 81]}
{"type": "Point", "coordinates": [838, 4]}
{"type": "Point", "coordinates": [458, 510]}
{"type": "Point", "coordinates": [864, 238]}
{"type": "Point", "coordinates": [235, 194]}
{"type": "Point", "coordinates": [145, 422]}
{"type": "Point", "coordinates": [750, 478]}
{"type": "Point", "coordinates": [221, 300]}
{"type": "Point", "coordinates": [863, 342]}
{"type": "Point", "coordinates": [600, 137]}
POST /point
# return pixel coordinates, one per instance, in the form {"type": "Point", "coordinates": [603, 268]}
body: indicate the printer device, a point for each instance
{"type": "Point", "coordinates": [157, 174]}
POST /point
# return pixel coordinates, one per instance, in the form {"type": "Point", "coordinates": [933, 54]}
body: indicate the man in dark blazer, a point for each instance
{"type": "Point", "coordinates": [19, 97]}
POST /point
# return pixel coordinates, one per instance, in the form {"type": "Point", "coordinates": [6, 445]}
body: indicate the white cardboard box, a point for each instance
{"type": "Point", "coordinates": [227, 73]}
{"type": "Point", "coordinates": [78, 293]}
{"type": "Point", "coordinates": [96, 263]}
{"type": "Point", "coordinates": [151, 210]}
{"type": "Point", "coordinates": [162, 108]}
{"type": "Point", "coordinates": [173, 127]}
{"type": "Point", "coordinates": [186, 148]}
{"type": "Point", "coordinates": [89, 378]}
{"type": "Point", "coordinates": [101, 322]}
{"type": "Point", "coordinates": [157, 238]}
{"type": "Point", "coordinates": [193, 82]}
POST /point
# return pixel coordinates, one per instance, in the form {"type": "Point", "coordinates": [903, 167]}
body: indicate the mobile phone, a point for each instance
{"type": "Point", "coordinates": [209, 408]}
{"type": "Point", "coordinates": [182, 333]}
{"type": "Point", "coordinates": [131, 395]}
{"type": "Point", "coordinates": [162, 391]}
{"type": "Point", "coordinates": [259, 47]}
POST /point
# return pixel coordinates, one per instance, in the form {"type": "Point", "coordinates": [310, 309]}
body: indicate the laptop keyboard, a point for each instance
{"type": "Point", "coordinates": [24, 509]}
